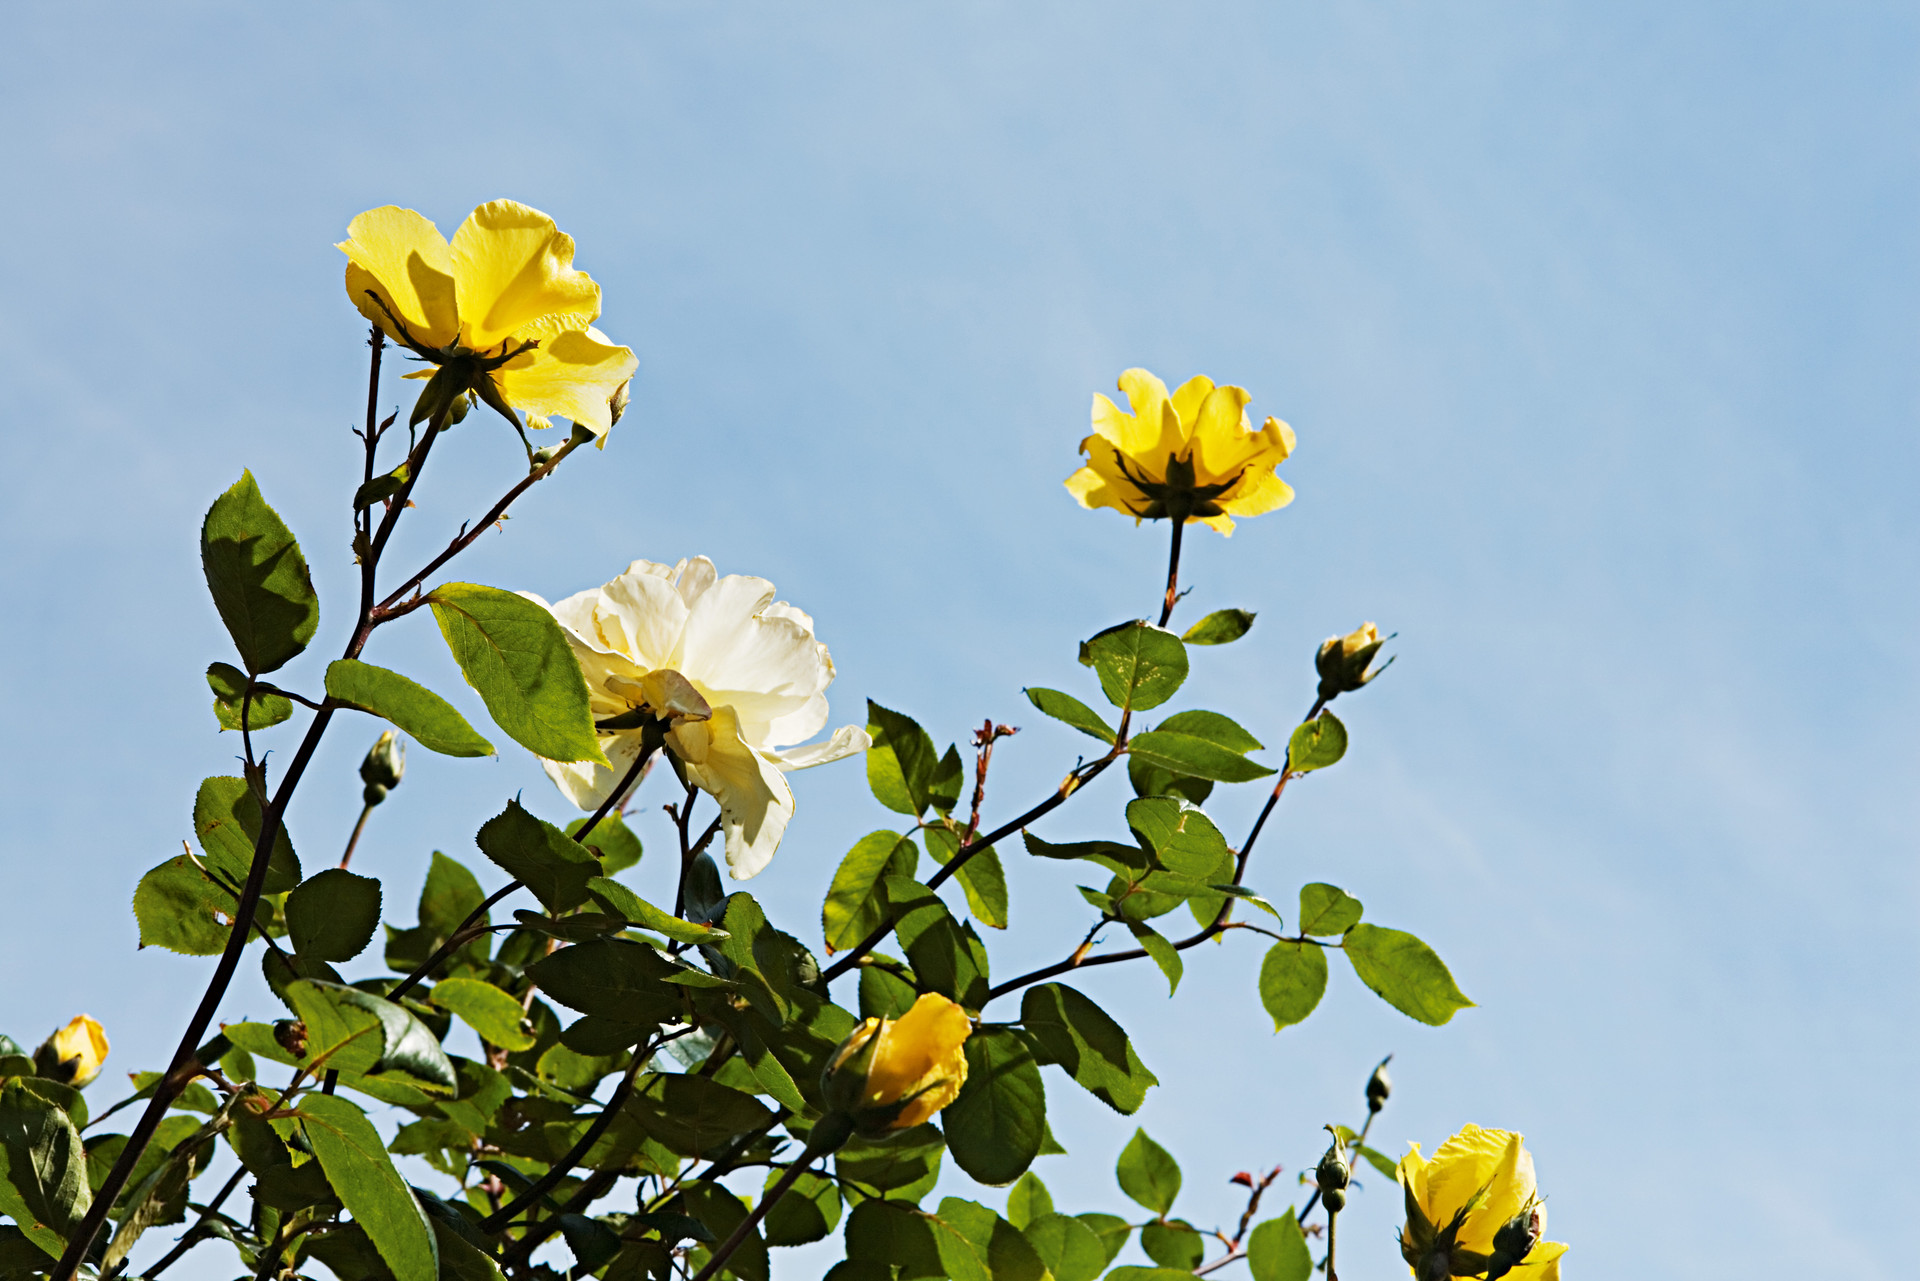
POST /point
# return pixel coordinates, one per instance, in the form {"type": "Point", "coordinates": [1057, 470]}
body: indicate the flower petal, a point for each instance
{"type": "Point", "coordinates": [646, 613]}
{"type": "Point", "coordinates": [511, 267]}
{"type": "Point", "coordinates": [403, 259]}
{"type": "Point", "coordinates": [574, 374]}
{"type": "Point", "coordinates": [848, 740]}
{"type": "Point", "coordinates": [588, 785]}
{"type": "Point", "coordinates": [755, 801]}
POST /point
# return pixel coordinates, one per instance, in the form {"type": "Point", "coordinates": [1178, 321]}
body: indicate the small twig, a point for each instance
{"type": "Point", "coordinates": [983, 739]}
{"type": "Point", "coordinates": [198, 1232]}
{"type": "Point", "coordinates": [359, 827]}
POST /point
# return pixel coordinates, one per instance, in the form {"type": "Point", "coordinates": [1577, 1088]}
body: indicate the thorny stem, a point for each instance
{"type": "Point", "coordinates": [983, 740]}
{"type": "Point", "coordinates": [1236, 1248]}
{"type": "Point", "coordinates": [1173, 572]}
{"type": "Point", "coordinates": [358, 828]}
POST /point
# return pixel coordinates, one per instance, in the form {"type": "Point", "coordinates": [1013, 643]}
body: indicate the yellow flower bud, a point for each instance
{"type": "Point", "coordinates": [383, 768]}
{"type": "Point", "coordinates": [1463, 1204]}
{"type": "Point", "coordinates": [894, 1074]}
{"type": "Point", "coordinates": [72, 1055]}
{"type": "Point", "coordinates": [1343, 660]}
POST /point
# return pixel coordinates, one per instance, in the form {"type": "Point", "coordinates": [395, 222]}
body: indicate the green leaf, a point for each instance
{"type": "Point", "coordinates": [1070, 710]}
{"type": "Point", "coordinates": [1148, 1173]}
{"type": "Point", "coordinates": [611, 841]}
{"type": "Point", "coordinates": [515, 654]}
{"type": "Point", "coordinates": [1135, 1273]}
{"type": "Point", "coordinates": [1379, 1160]}
{"type": "Point", "coordinates": [807, 1213]}
{"type": "Point", "coordinates": [853, 909]}
{"type": "Point", "coordinates": [1327, 909]}
{"type": "Point", "coordinates": [901, 764]}
{"type": "Point", "coordinates": [229, 685]}
{"type": "Point", "coordinates": [1246, 895]}
{"type": "Point", "coordinates": [357, 1165]}
{"type": "Point", "coordinates": [721, 1211]}
{"type": "Point", "coordinates": [551, 864]}
{"type": "Point", "coordinates": [947, 957]}
{"type": "Point", "coordinates": [1152, 780]}
{"type": "Point", "coordinates": [1221, 731]}
{"type": "Point", "coordinates": [613, 978]}
{"type": "Point", "coordinates": [981, 877]}
{"type": "Point", "coordinates": [1317, 744]}
{"type": "Point", "coordinates": [1163, 952]}
{"type": "Point", "coordinates": [624, 903]}
{"type": "Point", "coordinates": [949, 776]}
{"type": "Point", "coordinates": [693, 1114]}
{"type": "Point", "coordinates": [1173, 1243]}
{"type": "Point", "coordinates": [1277, 1251]}
{"type": "Point", "coordinates": [331, 915]}
{"type": "Point", "coordinates": [226, 819]}
{"type": "Point", "coordinates": [883, 993]}
{"type": "Point", "coordinates": [1183, 838]}
{"type": "Point", "coordinates": [338, 1020]}
{"type": "Point", "coordinates": [1079, 1036]}
{"type": "Point", "coordinates": [381, 487]}
{"type": "Point", "coordinates": [907, 1164]}
{"type": "Point", "coordinates": [495, 1015]}
{"type": "Point", "coordinates": [1219, 627]}
{"type": "Point", "coordinates": [433, 722]}
{"type": "Point", "coordinates": [995, 1126]}
{"type": "Point", "coordinates": [1139, 666]}
{"type": "Point", "coordinates": [1008, 1255]}
{"type": "Point", "coordinates": [180, 909]}
{"type": "Point", "coordinates": [1112, 1230]}
{"type": "Point", "coordinates": [890, 1235]}
{"type": "Point", "coordinates": [43, 1167]}
{"type": "Point", "coordinates": [1194, 757]}
{"type": "Point", "coordinates": [449, 895]}
{"type": "Point", "coordinates": [1405, 973]}
{"type": "Point", "coordinates": [1293, 978]}
{"type": "Point", "coordinates": [1071, 1250]}
{"type": "Point", "coordinates": [1112, 855]}
{"type": "Point", "coordinates": [258, 578]}
{"type": "Point", "coordinates": [1029, 1200]}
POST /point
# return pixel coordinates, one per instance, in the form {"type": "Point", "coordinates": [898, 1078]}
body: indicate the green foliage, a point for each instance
{"type": "Point", "coordinates": [1148, 1173]}
{"type": "Point", "coordinates": [227, 820]}
{"type": "Point", "coordinates": [182, 909]}
{"type": "Point", "coordinates": [1317, 744]}
{"type": "Point", "coordinates": [494, 1014]}
{"type": "Point", "coordinates": [856, 904]}
{"type": "Point", "coordinates": [229, 685]}
{"type": "Point", "coordinates": [903, 769]}
{"type": "Point", "coordinates": [331, 916]}
{"type": "Point", "coordinates": [1139, 666]}
{"type": "Point", "coordinates": [43, 1167]}
{"type": "Point", "coordinates": [1405, 972]}
{"type": "Point", "coordinates": [1277, 1251]}
{"type": "Point", "coordinates": [433, 722]}
{"type": "Point", "coordinates": [1070, 710]}
{"type": "Point", "coordinates": [1327, 909]}
{"type": "Point", "coordinates": [361, 1173]}
{"type": "Point", "coordinates": [1219, 627]}
{"type": "Point", "coordinates": [981, 877]}
{"type": "Point", "coordinates": [995, 1127]}
{"type": "Point", "coordinates": [258, 578]}
{"type": "Point", "coordinates": [517, 658]}
{"type": "Point", "coordinates": [616, 845]}
{"type": "Point", "coordinates": [1078, 1036]}
{"type": "Point", "coordinates": [554, 866]}
{"type": "Point", "coordinates": [1070, 1249]}
{"type": "Point", "coordinates": [1293, 978]}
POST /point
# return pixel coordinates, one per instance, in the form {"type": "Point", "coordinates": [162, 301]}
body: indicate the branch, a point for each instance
{"type": "Point", "coordinates": [198, 1232]}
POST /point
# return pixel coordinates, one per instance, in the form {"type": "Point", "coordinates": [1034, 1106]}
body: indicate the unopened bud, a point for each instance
{"type": "Point", "coordinates": [385, 765]}
{"type": "Point", "coordinates": [546, 454]}
{"type": "Point", "coordinates": [72, 1056]}
{"type": "Point", "coordinates": [1333, 1174]}
{"type": "Point", "coordinates": [1343, 660]}
{"type": "Point", "coordinates": [617, 403]}
{"type": "Point", "coordinates": [1379, 1086]}
{"type": "Point", "coordinates": [1515, 1239]}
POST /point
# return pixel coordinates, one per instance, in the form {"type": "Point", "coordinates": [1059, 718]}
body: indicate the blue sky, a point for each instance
{"type": "Point", "coordinates": [1597, 326]}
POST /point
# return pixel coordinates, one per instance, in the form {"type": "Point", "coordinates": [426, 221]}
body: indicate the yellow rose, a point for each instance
{"type": "Point", "coordinates": [72, 1055]}
{"type": "Point", "coordinates": [1188, 456]}
{"type": "Point", "coordinates": [893, 1074]}
{"type": "Point", "coordinates": [1474, 1210]}
{"type": "Point", "coordinates": [499, 311]}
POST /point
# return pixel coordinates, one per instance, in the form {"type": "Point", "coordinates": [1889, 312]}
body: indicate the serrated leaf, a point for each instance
{"type": "Point", "coordinates": [1406, 973]}
{"type": "Point", "coordinates": [902, 763]}
{"type": "Point", "coordinates": [1183, 838]}
{"type": "Point", "coordinates": [807, 1213]}
{"type": "Point", "coordinates": [1071, 1250]}
{"type": "Point", "coordinates": [1293, 978]}
{"type": "Point", "coordinates": [229, 686]}
{"type": "Point", "coordinates": [1139, 666]}
{"type": "Point", "coordinates": [43, 1167]}
{"type": "Point", "coordinates": [995, 1126]}
{"type": "Point", "coordinates": [179, 908]}
{"type": "Point", "coordinates": [1194, 757]}
{"type": "Point", "coordinates": [613, 978]}
{"type": "Point", "coordinates": [1222, 731]}
{"type": "Point", "coordinates": [1162, 951]}
{"type": "Point", "coordinates": [1112, 855]}
{"type": "Point", "coordinates": [1327, 909]}
{"type": "Point", "coordinates": [1317, 744]}
{"type": "Point", "coordinates": [616, 845]}
{"type": "Point", "coordinates": [981, 877]}
{"type": "Point", "coordinates": [548, 861]}
{"type": "Point", "coordinates": [1028, 1200]}
{"type": "Point", "coordinates": [1081, 1038]}
{"type": "Point", "coordinates": [1070, 711]}
{"type": "Point", "coordinates": [1219, 627]}
{"type": "Point", "coordinates": [1379, 1160]}
{"type": "Point", "coordinates": [624, 903]}
{"type": "Point", "coordinates": [433, 722]}
{"type": "Point", "coordinates": [1148, 1173]}
{"type": "Point", "coordinates": [494, 1014]}
{"type": "Point", "coordinates": [1277, 1251]}
{"type": "Point", "coordinates": [853, 909]}
{"type": "Point", "coordinates": [258, 578]}
{"type": "Point", "coordinates": [331, 916]}
{"type": "Point", "coordinates": [516, 656]}
{"type": "Point", "coordinates": [355, 1159]}
{"type": "Point", "coordinates": [226, 821]}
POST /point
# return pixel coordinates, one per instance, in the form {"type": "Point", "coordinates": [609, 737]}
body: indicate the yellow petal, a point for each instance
{"type": "Point", "coordinates": [920, 1054]}
{"type": "Point", "coordinates": [1154, 430]}
{"type": "Point", "coordinates": [511, 267]}
{"type": "Point", "coordinates": [573, 374]}
{"type": "Point", "coordinates": [1543, 1263]}
{"type": "Point", "coordinates": [403, 259]}
{"type": "Point", "coordinates": [1462, 1166]}
{"type": "Point", "coordinates": [80, 1046]}
{"type": "Point", "coordinates": [1258, 492]}
{"type": "Point", "coordinates": [1101, 483]}
{"type": "Point", "coordinates": [1187, 401]}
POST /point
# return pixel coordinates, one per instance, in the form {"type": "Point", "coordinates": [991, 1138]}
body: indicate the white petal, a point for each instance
{"type": "Point", "coordinates": [721, 631]}
{"type": "Point", "coordinates": [796, 725]}
{"type": "Point", "coordinates": [848, 740]}
{"type": "Point", "coordinates": [649, 614]}
{"type": "Point", "coordinates": [588, 785]}
{"type": "Point", "coordinates": [692, 578]}
{"type": "Point", "coordinates": [755, 802]}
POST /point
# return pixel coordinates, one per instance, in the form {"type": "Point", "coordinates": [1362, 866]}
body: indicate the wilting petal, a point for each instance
{"type": "Point", "coordinates": [403, 259]}
{"type": "Point", "coordinates": [846, 741]}
{"type": "Point", "coordinates": [512, 266]}
{"type": "Point", "coordinates": [755, 802]}
{"type": "Point", "coordinates": [574, 374]}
